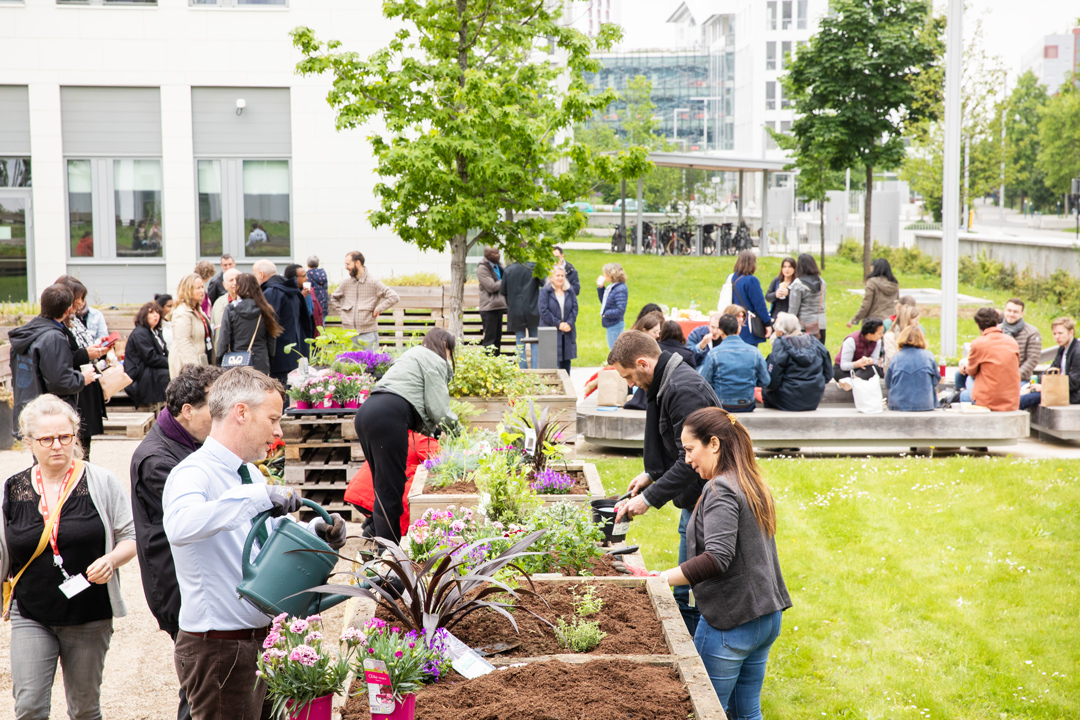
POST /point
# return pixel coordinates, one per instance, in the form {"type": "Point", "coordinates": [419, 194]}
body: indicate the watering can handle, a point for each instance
{"type": "Point", "coordinates": [261, 518]}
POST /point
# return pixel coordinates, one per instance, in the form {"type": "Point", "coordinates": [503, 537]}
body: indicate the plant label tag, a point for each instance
{"type": "Point", "coordinates": [466, 660]}
{"type": "Point", "coordinates": [621, 528]}
{"type": "Point", "coordinates": [379, 687]}
{"type": "Point", "coordinates": [74, 585]}
{"type": "Point", "coordinates": [530, 441]}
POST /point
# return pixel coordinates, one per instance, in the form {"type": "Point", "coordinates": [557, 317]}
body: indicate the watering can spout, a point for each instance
{"type": "Point", "coordinates": [325, 602]}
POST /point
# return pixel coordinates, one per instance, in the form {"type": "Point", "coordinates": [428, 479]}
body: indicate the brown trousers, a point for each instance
{"type": "Point", "coordinates": [218, 677]}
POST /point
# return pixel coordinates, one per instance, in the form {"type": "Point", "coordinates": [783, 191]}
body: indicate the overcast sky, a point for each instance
{"type": "Point", "coordinates": [1011, 27]}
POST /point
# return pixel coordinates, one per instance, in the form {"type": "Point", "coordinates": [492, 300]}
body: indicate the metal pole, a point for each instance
{"type": "Point", "coordinates": [675, 123]}
{"type": "Point", "coordinates": [763, 250]}
{"type": "Point", "coordinates": [741, 201]}
{"type": "Point", "coordinates": [950, 189]}
{"type": "Point", "coordinates": [622, 215]}
{"type": "Point", "coordinates": [1001, 197]}
{"type": "Point", "coordinates": [640, 241]}
{"type": "Point", "coordinates": [967, 200]}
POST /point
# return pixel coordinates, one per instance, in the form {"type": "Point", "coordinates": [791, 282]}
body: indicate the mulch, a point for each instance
{"type": "Point", "coordinates": [627, 616]}
{"type": "Point", "coordinates": [468, 487]}
{"type": "Point", "coordinates": [553, 690]}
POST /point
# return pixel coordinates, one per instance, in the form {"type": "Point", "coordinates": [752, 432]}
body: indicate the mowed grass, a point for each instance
{"type": "Point", "coordinates": [678, 281]}
{"type": "Point", "coordinates": [922, 588]}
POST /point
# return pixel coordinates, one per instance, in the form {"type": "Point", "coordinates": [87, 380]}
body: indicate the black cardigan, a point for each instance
{"type": "Point", "coordinates": [146, 362]}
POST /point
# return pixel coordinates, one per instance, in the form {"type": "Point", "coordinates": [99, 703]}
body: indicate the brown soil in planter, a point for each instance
{"type": "Point", "coordinates": [627, 616]}
{"type": "Point", "coordinates": [468, 487]}
{"type": "Point", "coordinates": [598, 690]}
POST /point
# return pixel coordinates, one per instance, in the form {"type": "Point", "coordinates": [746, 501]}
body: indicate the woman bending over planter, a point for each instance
{"type": "Point", "coordinates": [412, 395]}
{"type": "Point", "coordinates": [732, 565]}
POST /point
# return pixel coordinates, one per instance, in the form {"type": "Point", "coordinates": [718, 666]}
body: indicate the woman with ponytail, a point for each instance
{"type": "Point", "coordinates": [732, 566]}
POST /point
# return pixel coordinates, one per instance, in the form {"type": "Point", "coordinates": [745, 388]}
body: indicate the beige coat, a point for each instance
{"type": "Point", "coordinates": [189, 339]}
{"type": "Point", "coordinates": [490, 299]}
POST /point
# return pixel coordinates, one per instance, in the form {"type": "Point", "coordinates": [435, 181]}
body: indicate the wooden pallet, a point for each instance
{"type": "Point", "coordinates": [321, 456]}
{"type": "Point", "coordinates": [133, 425]}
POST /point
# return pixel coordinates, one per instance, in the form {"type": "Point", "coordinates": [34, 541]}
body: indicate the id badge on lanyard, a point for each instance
{"type": "Point", "coordinates": [72, 585]}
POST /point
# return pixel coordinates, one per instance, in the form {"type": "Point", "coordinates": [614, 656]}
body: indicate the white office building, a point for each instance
{"type": "Point", "coordinates": [139, 137]}
{"type": "Point", "coordinates": [1052, 58]}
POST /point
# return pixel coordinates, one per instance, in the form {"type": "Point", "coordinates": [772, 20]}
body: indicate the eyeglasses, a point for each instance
{"type": "Point", "coordinates": [47, 442]}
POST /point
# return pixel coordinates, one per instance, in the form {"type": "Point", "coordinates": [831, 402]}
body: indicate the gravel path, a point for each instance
{"type": "Point", "coordinates": [140, 681]}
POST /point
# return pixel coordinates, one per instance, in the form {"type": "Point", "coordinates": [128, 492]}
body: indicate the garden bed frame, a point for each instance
{"type": "Point", "coordinates": [561, 402]}
{"type": "Point", "coordinates": [420, 502]}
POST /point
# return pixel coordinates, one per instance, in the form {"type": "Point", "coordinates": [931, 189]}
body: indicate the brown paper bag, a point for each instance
{"type": "Point", "coordinates": [1055, 389]}
{"type": "Point", "coordinates": [611, 389]}
{"type": "Point", "coordinates": [113, 380]}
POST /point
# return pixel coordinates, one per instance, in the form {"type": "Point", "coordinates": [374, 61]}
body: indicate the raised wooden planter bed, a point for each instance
{"type": "Point", "coordinates": [561, 402]}
{"type": "Point", "coordinates": [420, 501]}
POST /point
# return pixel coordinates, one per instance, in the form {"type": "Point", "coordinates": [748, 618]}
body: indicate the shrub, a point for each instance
{"type": "Point", "coordinates": [579, 635]}
{"type": "Point", "coordinates": [480, 373]}
{"type": "Point", "coordinates": [504, 486]}
{"type": "Point", "coordinates": [570, 541]}
{"type": "Point", "coordinates": [420, 279]}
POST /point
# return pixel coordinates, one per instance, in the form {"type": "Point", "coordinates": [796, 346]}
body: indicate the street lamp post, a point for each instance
{"type": "Point", "coordinates": [950, 191]}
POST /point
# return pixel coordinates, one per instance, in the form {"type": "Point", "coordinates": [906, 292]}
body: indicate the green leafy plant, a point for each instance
{"type": "Point", "coordinates": [570, 541]}
{"type": "Point", "coordinates": [588, 603]}
{"type": "Point", "coordinates": [332, 341]}
{"type": "Point", "coordinates": [581, 635]}
{"type": "Point", "coordinates": [461, 454]}
{"type": "Point", "coordinates": [506, 495]}
{"type": "Point", "coordinates": [481, 373]}
{"type": "Point", "coordinates": [419, 279]}
{"type": "Point", "coordinates": [465, 412]}
{"type": "Point", "coordinates": [296, 667]}
{"type": "Point", "coordinates": [548, 431]}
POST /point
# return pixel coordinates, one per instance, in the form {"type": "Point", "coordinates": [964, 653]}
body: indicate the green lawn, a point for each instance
{"type": "Point", "coordinates": [922, 588]}
{"type": "Point", "coordinates": [677, 281]}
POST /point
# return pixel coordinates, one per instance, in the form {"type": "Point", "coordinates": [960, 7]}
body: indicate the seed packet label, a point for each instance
{"type": "Point", "coordinates": [621, 528]}
{"type": "Point", "coordinates": [380, 692]}
{"type": "Point", "coordinates": [466, 660]}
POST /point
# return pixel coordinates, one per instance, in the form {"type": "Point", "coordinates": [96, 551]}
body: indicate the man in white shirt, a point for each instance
{"type": "Point", "coordinates": [210, 500]}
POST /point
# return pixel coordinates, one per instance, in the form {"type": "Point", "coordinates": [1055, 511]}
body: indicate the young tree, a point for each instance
{"type": "Point", "coordinates": [855, 88]}
{"type": "Point", "coordinates": [1059, 139]}
{"type": "Point", "coordinates": [476, 111]}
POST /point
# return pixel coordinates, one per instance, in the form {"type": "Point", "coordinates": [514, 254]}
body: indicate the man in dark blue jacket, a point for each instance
{"type": "Point", "coordinates": [522, 292]}
{"type": "Point", "coordinates": [673, 390]}
{"type": "Point", "coordinates": [291, 308]}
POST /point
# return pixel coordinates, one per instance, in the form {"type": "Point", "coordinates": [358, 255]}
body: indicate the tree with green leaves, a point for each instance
{"type": "Point", "coordinates": [815, 178]}
{"type": "Point", "coordinates": [855, 88]}
{"type": "Point", "coordinates": [1059, 139]}
{"type": "Point", "coordinates": [476, 98]}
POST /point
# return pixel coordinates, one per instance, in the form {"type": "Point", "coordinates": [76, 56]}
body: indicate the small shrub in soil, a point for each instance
{"type": "Point", "coordinates": [627, 617]}
{"type": "Point", "coordinates": [580, 635]}
{"type": "Point", "coordinates": [598, 690]}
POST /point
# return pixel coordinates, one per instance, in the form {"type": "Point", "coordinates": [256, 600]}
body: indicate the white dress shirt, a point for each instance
{"type": "Point", "coordinates": [208, 514]}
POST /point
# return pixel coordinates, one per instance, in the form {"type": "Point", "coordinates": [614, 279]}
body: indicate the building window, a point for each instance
{"type": "Point", "coordinates": [770, 95]}
{"type": "Point", "coordinates": [802, 14]}
{"type": "Point", "coordinates": [770, 141]}
{"type": "Point", "coordinates": [114, 208]}
{"type": "Point", "coordinates": [106, 2]}
{"type": "Point", "coordinates": [770, 55]}
{"type": "Point", "coordinates": [785, 127]}
{"type": "Point", "coordinates": [786, 17]}
{"type": "Point", "coordinates": [245, 208]}
{"type": "Point", "coordinates": [14, 172]}
{"type": "Point", "coordinates": [785, 57]}
{"type": "Point", "coordinates": [1050, 52]}
{"type": "Point", "coordinates": [771, 15]}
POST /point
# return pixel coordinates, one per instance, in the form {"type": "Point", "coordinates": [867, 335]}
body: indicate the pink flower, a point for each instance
{"type": "Point", "coordinates": [313, 637]}
{"type": "Point", "coordinates": [271, 639]}
{"type": "Point", "coordinates": [272, 654]}
{"type": "Point", "coordinates": [280, 619]}
{"type": "Point", "coordinates": [351, 634]}
{"type": "Point", "coordinates": [398, 654]}
{"type": "Point", "coordinates": [312, 619]}
{"type": "Point", "coordinates": [299, 626]}
{"type": "Point", "coordinates": [305, 655]}
{"type": "Point", "coordinates": [375, 624]}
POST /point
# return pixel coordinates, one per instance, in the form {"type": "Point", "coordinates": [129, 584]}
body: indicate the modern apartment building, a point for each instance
{"type": "Point", "coordinates": [1053, 58]}
{"type": "Point", "coordinates": [139, 137]}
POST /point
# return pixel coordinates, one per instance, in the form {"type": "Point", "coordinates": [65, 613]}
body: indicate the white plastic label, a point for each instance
{"type": "Point", "coordinates": [466, 661]}
{"type": "Point", "coordinates": [621, 528]}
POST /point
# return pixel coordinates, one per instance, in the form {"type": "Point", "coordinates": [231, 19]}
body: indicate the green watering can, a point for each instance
{"type": "Point", "coordinates": [276, 581]}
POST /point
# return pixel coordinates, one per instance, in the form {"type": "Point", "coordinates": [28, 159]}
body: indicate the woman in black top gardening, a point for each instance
{"type": "Point", "coordinates": [732, 567]}
{"type": "Point", "coordinates": [65, 530]}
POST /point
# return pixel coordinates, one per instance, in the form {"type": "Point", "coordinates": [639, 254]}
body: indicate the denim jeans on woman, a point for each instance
{"type": "Point", "coordinates": [613, 333]}
{"type": "Point", "coordinates": [690, 614]}
{"type": "Point", "coordinates": [35, 648]}
{"type": "Point", "coordinates": [735, 660]}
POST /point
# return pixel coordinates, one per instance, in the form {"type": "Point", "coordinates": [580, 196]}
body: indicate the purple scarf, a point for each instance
{"type": "Point", "coordinates": [173, 430]}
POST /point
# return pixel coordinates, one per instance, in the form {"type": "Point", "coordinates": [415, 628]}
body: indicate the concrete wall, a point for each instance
{"type": "Point", "coordinates": [1041, 256]}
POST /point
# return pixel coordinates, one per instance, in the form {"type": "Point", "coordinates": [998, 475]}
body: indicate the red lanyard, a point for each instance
{"type": "Point", "coordinates": [44, 504]}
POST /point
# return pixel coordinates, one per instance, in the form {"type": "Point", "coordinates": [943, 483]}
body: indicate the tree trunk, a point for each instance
{"type": "Point", "coordinates": [821, 208]}
{"type": "Point", "coordinates": [458, 250]}
{"type": "Point", "coordinates": [867, 242]}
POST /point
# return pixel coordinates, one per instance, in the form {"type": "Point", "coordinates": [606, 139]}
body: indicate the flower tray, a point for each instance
{"type": "Point", "coordinates": [420, 501]}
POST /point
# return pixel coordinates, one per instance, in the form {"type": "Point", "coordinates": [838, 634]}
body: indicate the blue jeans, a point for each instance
{"type": "Point", "coordinates": [534, 354]}
{"type": "Point", "coordinates": [735, 660]}
{"type": "Point", "coordinates": [964, 383]}
{"type": "Point", "coordinates": [690, 614]}
{"type": "Point", "coordinates": [1031, 399]}
{"type": "Point", "coordinates": [613, 333]}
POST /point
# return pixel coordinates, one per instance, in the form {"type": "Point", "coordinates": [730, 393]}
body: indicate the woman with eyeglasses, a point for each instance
{"type": "Point", "coordinates": [65, 529]}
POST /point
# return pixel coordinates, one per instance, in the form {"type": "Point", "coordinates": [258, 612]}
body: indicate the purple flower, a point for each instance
{"type": "Point", "coordinates": [550, 482]}
{"type": "Point", "coordinates": [371, 361]}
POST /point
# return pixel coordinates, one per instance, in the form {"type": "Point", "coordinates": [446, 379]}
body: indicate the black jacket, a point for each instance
{"type": "Point", "coordinates": [154, 459]}
{"type": "Point", "coordinates": [216, 287]}
{"type": "Point", "coordinates": [572, 278]}
{"type": "Point", "coordinates": [291, 309]}
{"type": "Point", "coordinates": [522, 293]}
{"type": "Point", "coordinates": [1073, 370]}
{"type": "Point", "coordinates": [673, 346]}
{"type": "Point", "coordinates": [146, 362]}
{"type": "Point", "coordinates": [681, 391]}
{"type": "Point", "coordinates": [799, 368]}
{"type": "Point", "coordinates": [42, 362]}
{"type": "Point", "coordinates": [240, 322]}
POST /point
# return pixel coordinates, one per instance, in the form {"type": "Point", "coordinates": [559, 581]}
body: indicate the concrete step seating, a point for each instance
{"type": "Point", "coordinates": [1060, 422]}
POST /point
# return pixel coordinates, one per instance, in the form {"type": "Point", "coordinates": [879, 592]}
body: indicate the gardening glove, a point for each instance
{"type": "Point", "coordinates": [285, 499]}
{"type": "Point", "coordinates": [332, 534]}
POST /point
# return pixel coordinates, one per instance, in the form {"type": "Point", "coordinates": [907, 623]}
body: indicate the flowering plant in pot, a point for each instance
{"type": "Point", "coordinates": [301, 396]}
{"type": "Point", "coordinates": [351, 390]}
{"type": "Point", "coordinates": [452, 530]}
{"type": "Point", "coordinates": [301, 675]}
{"type": "Point", "coordinates": [397, 662]}
{"type": "Point", "coordinates": [371, 361]}
{"type": "Point", "coordinates": [322, 390]}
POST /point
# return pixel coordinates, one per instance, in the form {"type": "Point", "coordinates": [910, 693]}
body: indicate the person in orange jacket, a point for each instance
{"type": "Point", "coordinates": [361, 490]}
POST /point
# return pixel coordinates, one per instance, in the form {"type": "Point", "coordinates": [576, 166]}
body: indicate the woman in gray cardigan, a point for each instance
{"type": "Point", "coordinates": [65, 597]}
{"type": "Point", "coordinates": [732, 567]}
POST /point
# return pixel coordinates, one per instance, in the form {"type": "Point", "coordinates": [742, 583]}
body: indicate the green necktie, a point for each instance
{"type": "Point", "coordinates": [245, 479]}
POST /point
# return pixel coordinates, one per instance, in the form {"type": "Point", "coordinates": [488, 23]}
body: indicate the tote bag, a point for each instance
{"type": "Point", "coordinates": [113, 379]}
{"type": "Point", "coordinates": [867, 394]}
{"type": "Point", "coordinates": [1055, 389]}
{"type": "Point", "coordinates": [241, 358]}
{"type": "Point", "coordinates": [725, 295]}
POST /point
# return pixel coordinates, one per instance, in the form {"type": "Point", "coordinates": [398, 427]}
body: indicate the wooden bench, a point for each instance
{"type": "Point", "coordinates": [829, 426]}
{"type": "Point", "coordinates": [1060, 422]}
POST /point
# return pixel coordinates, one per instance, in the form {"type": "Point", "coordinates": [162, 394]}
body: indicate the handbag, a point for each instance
{"type": "Point", "coordinates": [867, 394]}
{"type": "Point", "coordinates": [1055, 389]}
{"type": "Point", "coordinates": [725, 295]}
{"type": "Point", "coordinates": [113, 379]}
{"type": "Point", "coordinates": [241, 358]}
{"type": "Point", "coordinates": [757, 325]}
{"type": "Point", "coordinates": [9, 584]}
